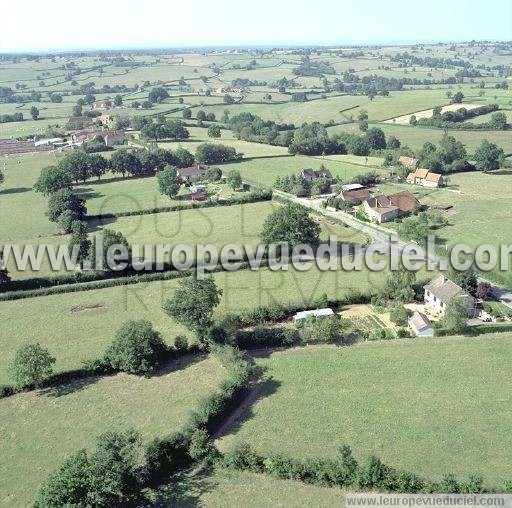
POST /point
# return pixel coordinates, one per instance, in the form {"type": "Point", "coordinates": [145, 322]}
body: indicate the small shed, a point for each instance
{"type": "Point", "coordinates": [317, 313]}
{"type": "Point", "coordinates": [421, 325]}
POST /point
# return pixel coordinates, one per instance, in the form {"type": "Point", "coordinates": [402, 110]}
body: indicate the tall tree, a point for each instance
{"type": "Point", "coordinates": [98, 165]}
{"type": "Point", "coordinates": [488, 157]}
{"type": "Point", "coordinates": [52, 179]}
{"type": "Point", "coordinates": [234, 180]}
{"type": "Point", "coordinates": [34, 113]}
{"type": "Point", "coordinates": [168, 182]}
{"type": "Point", "coordinates": [193, 303]}
{"type": "Point", "coordinates": [290, 224]}
{"type": "Point", "coordinates": [32, 364]}
{"type": "Point", "coordinates": [79, 239]}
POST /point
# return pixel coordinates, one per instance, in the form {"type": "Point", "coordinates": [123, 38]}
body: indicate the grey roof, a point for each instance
{"type": "Point", "coordinates": [444, 289]}
{"type": "Point", "coordinates": [419, 321]}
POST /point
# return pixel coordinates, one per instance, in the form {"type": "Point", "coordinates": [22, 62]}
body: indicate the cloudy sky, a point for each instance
{"type": "Point", "coordinates": [38, 26]}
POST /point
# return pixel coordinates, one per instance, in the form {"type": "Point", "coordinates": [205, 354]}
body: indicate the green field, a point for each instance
{"type": "Point", "coordinates": [75, 414]}
{"type": "Point", "coordinates": [479, 215]}
{"type": "Point", "coordinates": [223, 487]}
{"type": "Point", "coordinates": [219, 226]}
{"type": "Point", "coordinates": [415, 137]}
{"type": "Point", "coordinates": [79, 326]}
{"type": "Point", "coordinates": [424, 405]}
{"type": "Point", "coordinates": [429, 406]}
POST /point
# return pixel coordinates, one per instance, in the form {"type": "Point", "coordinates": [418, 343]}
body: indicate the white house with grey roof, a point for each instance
{"type": "Point", "coordinates": [440, 290]}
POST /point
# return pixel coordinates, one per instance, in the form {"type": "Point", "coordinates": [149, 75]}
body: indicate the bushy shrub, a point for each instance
{"type": "Point", "coordinates": [31, 366]}
{"type": "Point", "coordinates": [165, 456]}
{"type": "Point", "coordinates": [137, 348]}
{"type": "Point", "coordinates": [107, 477]}
{"type": "Point", "coordinates": [181, 343]}
{"type": "Point", "coordinates": [244, 458]}
{"type": "Point", "coordinates": [201, 448]}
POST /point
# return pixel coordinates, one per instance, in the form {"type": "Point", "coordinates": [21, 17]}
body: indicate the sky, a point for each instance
{"type": "Point", "coordinates": [31, 25]}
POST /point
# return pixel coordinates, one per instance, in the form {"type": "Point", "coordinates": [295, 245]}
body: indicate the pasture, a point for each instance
{"type": "Point", "coordinates": [74, 414]}
{"type": "Point", "coordinates": [224, 487]}
{"type": "Point", "coordinates": [428, 406]}
{"type": "Point", "coordinates": [79, 326]}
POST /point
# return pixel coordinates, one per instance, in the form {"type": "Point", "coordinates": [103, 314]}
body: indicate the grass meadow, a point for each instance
{"type": "Point", "coordinates": [74, 414]}
{"type": "Point", "coordinates": [430, 406]}
{"type": "Point", "coordinates": [79, 326]}
{"type": "Point", "coordinates": [224, 487]}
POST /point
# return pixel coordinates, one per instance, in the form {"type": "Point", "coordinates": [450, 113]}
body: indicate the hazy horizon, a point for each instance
{"type": "Point", "coordinates": [200, 24]}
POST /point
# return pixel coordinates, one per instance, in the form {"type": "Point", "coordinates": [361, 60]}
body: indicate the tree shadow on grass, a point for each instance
{"type": "Point", "coordinates": [69, 387]}
{"type": "Point", "coordinates": [15, 190]}
{"type": "Point", "coordinates": [261, 388]}
{"type": "Point", "coordinates": [183, 490]}
{"type": "Point", "coordinates": [88, 193]}
{"type": "Point", "coordinates": [94, 225]}
{"type": "Point", "coordinates": [178, 364]}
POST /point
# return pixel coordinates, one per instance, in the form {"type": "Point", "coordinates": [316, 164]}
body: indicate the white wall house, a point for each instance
{"type": "Point", "coordinates": [440, 290]}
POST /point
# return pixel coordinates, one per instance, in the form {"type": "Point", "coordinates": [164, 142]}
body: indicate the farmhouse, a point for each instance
{"type": "Point", "coordinates": [440, 290]}
{"type": "Point", "coordinates": [408, 162]}
{"type": "Point", "coordinates": [425, 178]}
{"type": "Point", "coordinates": [420, 325]}
{"type": "Point", "coordinates": [187, 174]}
{"type": "Point", "coordinates": [318, 313]}
{"type": "Point", "coordinates": [310, 174]}
{"type": "Point", "coordinates": [355, 197]}
{"type": "Point", "coordinates": [85, 135]}
{"type": "Point", "coordinates": [386, 208]}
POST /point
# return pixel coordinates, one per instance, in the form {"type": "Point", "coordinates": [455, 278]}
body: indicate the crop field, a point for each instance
{"type": "Point", "coordinates": [78, 326]}
{"type": "Point", "coordinates": [404, 120]}
{"type": "Point", "coordinates": [424, 405]}
{"type": "Point", "coordinates": [77, 412]}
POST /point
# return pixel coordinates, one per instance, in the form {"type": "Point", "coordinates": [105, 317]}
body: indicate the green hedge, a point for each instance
{"type": "Point", "coordinates": [345, 472]}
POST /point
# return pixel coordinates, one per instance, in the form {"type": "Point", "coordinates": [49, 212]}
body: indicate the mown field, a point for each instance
{"type": "Point", "coordinates": [223, 487]}
{"type": "Point", "coordinates": [425, 405]}
{"type": "Point", "coordinates": [41, 428]}
{"type": "Point", "coordinates": [218, 226]}
{"type": "Point", "coordinates": [78, 326]}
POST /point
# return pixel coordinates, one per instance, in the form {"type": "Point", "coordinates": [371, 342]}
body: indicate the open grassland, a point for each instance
{"type": "Point", "coordinates": [219, 226]}
{"type": "Point", "coordinates": [415, 137]}
{"type": "Point", "coordinates": [79, 326]}
{"type": "Point", "coordinates": [23, 210]}
{"type": "Point", "coordinates": [224, 487]}
{"type": "Point", "coordinates": [41, 428]}
{"type": "Point", "coordinates": [265, 171]}
{"type": "Point", "coordinates": [429, 406]}
{"type": "Point", "coordinates": [237, 224]}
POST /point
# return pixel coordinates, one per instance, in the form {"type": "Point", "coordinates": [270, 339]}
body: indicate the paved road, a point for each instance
{"type": "Point", "coordinates": [381, 236]}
